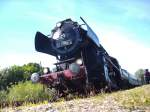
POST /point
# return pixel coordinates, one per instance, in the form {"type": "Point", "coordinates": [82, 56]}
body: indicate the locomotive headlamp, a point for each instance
{"type": "Point", "coordinates": [58, 24]}
{"type": "Point", "coordinates": [75, 68]}
{"type": "Point", "coordinates": [57, 34]}
{"type": "Point", "coordinates": [46, 70]}
{"type": "Point", "coordinates": [79, 61]}
{"type": "Point", "coordinates": [35, 77]}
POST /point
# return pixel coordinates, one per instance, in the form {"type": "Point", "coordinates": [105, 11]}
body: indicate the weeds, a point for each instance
{"type": "Point", "coordinates": [25, 93]}
{"type": "Point", "coordinates": [139, 96]}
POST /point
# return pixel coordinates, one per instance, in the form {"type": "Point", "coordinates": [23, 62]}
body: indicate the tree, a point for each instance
{"type": "Point", "coordinates": [15, 74]}
{"type": "Point", "coordinates": [140, 74]}
{"type": "Point", "coordinates": [29, 69]}
{"type": "Point", "coordinates": [11, 76]}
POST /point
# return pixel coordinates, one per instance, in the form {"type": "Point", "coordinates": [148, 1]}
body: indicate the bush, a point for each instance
{"type": "Point", "coordinates": [28, 92]}
{"type": "Point", "coordinates": [15, 74]}
{"type": "Point", "coordinates": [3, 99]}
{"type": "Point", "coordinates": [3, 96]}
{"type": "Point", "coordinates": [140, 75]}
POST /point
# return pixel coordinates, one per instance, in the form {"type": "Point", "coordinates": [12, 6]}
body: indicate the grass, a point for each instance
{"type": "Point", "coordinates": [133, 98]}
{"type": "Point", "coordinates": [24, 93]}
{"type": "Point", "coordinates": [139, 96]}
{"type": "Point", "coordinates": [136, 97]}
{"type": "Point", "coordinates": [27, 92]}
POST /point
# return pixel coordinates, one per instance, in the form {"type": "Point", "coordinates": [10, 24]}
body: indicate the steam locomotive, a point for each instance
{"type": "Point", "coordinates": [83, 64]}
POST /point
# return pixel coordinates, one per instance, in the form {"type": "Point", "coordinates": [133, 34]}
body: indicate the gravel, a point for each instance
{"type": "Point", "coordinates": [78, 105]}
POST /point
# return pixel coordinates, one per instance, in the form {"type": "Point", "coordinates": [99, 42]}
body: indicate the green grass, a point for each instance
{"type": "Point", "coordinates": [25, 93]}
{"type": "Point", "coordinates": [28, 92]}
{"type": "Point", "coordinates": [139, 96]}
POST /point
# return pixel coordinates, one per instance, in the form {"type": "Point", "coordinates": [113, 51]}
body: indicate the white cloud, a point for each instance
{"type": "Point", "coordinates": [131, 54]}
{"type": "Point", "coordinates": [20, 59]}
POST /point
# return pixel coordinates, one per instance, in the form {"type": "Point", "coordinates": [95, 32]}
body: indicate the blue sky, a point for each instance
{"type": "Point", "coordinates": [123, 27]}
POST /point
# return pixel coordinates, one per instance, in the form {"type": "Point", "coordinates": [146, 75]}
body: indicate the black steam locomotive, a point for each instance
{"type": "Point", "coordinates": [83, 64]}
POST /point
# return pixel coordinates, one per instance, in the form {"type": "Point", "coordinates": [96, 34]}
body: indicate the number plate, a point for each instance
{"type": "Point", "coordinates": [63, 43]}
